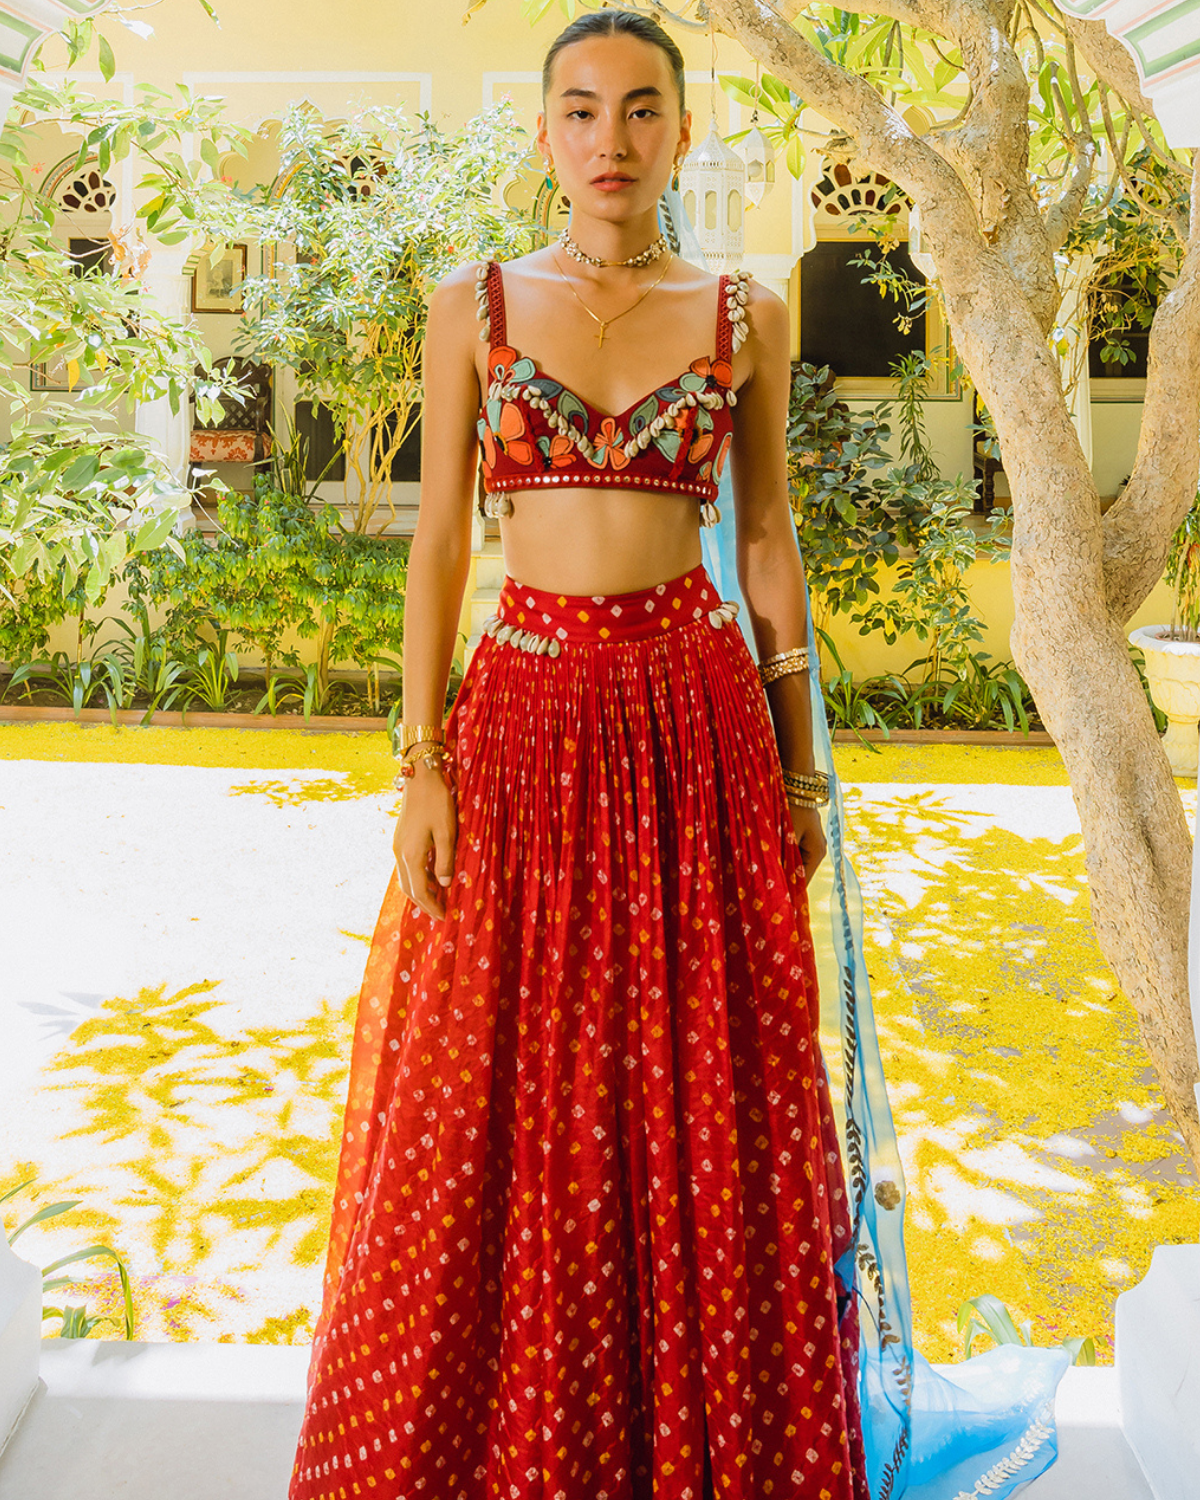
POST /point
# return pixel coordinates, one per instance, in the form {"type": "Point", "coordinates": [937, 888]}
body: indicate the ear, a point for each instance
{"type": "Point", "coordinates": [685, 135]}
{"type": "Point", "coordinates": [540, 139]}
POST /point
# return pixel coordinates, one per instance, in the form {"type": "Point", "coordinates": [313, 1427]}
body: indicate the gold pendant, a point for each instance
{"type": "Point", "coordinates": [600, 336]}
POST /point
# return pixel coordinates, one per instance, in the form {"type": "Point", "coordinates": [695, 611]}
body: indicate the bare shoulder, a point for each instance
{"type": "Point", "coordinates": [453, 318]}
{"type": "Point", "coordinates": [768, 316]}
{"type": "Point", "coordinates": [457, 288]}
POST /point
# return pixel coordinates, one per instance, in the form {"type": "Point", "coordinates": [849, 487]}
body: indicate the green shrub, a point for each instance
{"type": "Point", "coordinates": [278, 565]}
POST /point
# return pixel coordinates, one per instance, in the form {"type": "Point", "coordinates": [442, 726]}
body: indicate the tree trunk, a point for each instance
{"type": "Point", "coordinates": [1073, 654]}
{"type": "Point", "coordinates": [324, 642]}
{"type": "Point", "coordinates": [994, 258]}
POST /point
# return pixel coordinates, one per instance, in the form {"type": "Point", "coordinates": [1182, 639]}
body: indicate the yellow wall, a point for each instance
{"type": "Point", "coordinates": [991, 592]}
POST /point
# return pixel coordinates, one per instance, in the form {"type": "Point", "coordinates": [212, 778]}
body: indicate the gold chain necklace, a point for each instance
{"type": "Point", "coordinates": [604, 322]}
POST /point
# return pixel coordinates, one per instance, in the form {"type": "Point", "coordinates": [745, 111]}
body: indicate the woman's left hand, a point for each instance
{"type": "Point", "coordinates": [811, 836]}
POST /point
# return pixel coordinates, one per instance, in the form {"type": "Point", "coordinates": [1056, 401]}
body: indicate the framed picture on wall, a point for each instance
{"type": "Point", "coordinates": [57, 374]}
{"type": "Point", "coordinates": [216, 284]}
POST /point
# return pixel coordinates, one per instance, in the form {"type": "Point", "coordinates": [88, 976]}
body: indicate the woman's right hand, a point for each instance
{"type": "Point", "coordinates": [424, 841]}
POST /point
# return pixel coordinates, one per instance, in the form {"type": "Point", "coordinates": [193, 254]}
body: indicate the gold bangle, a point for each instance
{"type": "Point", "coordinates": [409, 735]}
{"type": "Point", "coordinates": [812, 787]}
{"type": "Point", "coordinates": [809, 802]}
{"type": "Point", "coordinates": [434, 756]}
{"type": "Point", "coordinates": [784, 664]}
{"type": "Point", "coordinates": [420, 749]}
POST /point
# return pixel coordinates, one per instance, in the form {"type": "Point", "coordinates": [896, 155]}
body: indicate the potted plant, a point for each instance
{"type": "Point", "coordinates": [1172, 651]}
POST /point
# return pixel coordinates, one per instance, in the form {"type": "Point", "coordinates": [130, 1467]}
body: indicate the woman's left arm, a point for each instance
{"type": "Point", "coordinates": [770, 569]}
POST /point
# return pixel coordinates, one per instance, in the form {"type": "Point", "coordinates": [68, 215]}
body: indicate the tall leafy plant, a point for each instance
{"type": "Point", "coordinates": [80, 490]}
{"type": "Point", "coordinates": [367, 214]}
{"type": "Point", "coordinates": [860, 515]}
{"type": "Point", "coordinates": [1183, 575]}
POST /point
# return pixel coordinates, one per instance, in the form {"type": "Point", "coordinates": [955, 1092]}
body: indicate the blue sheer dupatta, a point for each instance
{"type": "Point", "coordinates": [984, 1427]}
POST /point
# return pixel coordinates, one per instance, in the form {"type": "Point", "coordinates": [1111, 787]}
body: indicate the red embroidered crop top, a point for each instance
{"type": "Point", "coordinates": [534, 431]}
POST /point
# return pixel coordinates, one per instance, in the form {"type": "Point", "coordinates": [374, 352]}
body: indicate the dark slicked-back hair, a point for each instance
{"type": "Point", "coordinates": [615, 23]}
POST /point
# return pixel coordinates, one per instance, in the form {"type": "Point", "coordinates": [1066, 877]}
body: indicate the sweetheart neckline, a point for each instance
{"type": "Point", "coordinates": [594, 410]}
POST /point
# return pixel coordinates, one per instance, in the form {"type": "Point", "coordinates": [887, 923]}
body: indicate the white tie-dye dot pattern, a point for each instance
{"type": "Point", "coordinates": [590, 1196]}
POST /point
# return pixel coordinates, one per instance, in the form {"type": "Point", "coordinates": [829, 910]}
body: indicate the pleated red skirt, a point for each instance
{"type": "Point", "coordinates": [590, 1195]}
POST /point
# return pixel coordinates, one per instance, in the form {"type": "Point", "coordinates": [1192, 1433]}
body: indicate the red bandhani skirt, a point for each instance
{"type": "Point", "coordinates": [590, 1195]}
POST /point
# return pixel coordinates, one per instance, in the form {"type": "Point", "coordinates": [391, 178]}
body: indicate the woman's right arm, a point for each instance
{"type": "Point", "coordinates": [438, 564]}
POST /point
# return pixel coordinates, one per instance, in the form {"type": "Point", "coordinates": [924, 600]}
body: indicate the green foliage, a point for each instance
{"type": "Point", "coordinates": [80, 491]}
{"type": "Point", "coordinates": [30, 610]}
{"type": "Point", "coordinates": [375, 211]}
{"type": "Point", "coordinates": [75, 1321]}
{"type": "Point", "coordinates": [1137, 261]}
{"type": "Point", "coordinates": [277, 566]}
{"type": "Point", "coordinates": [212, 673]}
{"type": "Point", "coordinates": [986, 1314]}
{"type": "Point", "coordinates": [857, 512]}
{"type": "Point", "coordinates": [982, 694]}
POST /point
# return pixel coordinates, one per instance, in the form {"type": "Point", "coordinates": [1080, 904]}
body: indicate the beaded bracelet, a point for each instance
{"type": "Point", "coordinates": [434, 757]}
{"type": "Point", "coordinates": [783, 665]}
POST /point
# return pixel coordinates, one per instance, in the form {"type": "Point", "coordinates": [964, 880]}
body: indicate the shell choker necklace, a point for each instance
{"type": "Point", "coordinates": [643, 258]}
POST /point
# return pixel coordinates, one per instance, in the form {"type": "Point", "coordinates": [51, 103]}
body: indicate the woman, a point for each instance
{"type": "Point", "coordinates": [589, 1203]}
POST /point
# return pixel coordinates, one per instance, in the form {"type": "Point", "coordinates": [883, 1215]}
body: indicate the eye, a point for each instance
{"type": "Point", "coordinates": [572, 113]}
{"type": "Point", "coordinates": [645, 110]}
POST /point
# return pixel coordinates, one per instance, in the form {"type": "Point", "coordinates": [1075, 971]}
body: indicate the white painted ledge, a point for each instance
{"type": "Point", "coordinates": [1094, 1459]}
{"type": "Point", "coordinates": [1158, 1335]}
{"type": "Point", "coordinates": [20, 1335]}
{"type": "Point", "coordinates": [128, 1421]}
{"type": "Point", "coordinates": [116, 1421]}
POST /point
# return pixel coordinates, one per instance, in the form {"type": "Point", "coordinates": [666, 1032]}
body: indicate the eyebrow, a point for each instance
{"type": "Point", "coordinates": [644, 93]}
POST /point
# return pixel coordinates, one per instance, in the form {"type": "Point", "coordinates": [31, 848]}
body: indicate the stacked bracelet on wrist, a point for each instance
{"type": "Point", "coordinates": [783, 665]}
{"type": "Point", "coordinates": [419, 742]}
{"type": "Point", "coordinates": [806, 789]}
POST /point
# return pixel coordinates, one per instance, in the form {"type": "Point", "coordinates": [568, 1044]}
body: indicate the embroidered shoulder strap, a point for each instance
{"type": "Point", "coordinates": [732, 295]}
{"type": "Point", "coordinates": [489, 302]}
{"type": "Point", "coordinates": [724, 328]}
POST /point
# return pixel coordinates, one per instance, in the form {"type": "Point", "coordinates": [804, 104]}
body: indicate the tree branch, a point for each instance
{"type": "Point", "coordinates": [1062, 215]}
{"type": "Point", "coordinates": [882, 135]}
{"type": "Point", "coordinates": [1139, 527]}
{"type": "Point", "coordinates": [991, 150]}
{"type": "Point", "coordinates": [909, 12]}
{"type": "Point", "coordinates": [1107, 57]}
{"type": "Point", "coordinates": [1149, 209]}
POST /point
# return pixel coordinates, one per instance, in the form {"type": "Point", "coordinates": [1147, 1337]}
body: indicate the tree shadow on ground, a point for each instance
{"type": "Point", "coordinates": [211, 1153]}
{"type": "Point", "coordinates": [1040, 1161]}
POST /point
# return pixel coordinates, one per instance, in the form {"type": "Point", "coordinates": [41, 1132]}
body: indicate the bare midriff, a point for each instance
{"type": "Point", "coordinates": [595, 540]}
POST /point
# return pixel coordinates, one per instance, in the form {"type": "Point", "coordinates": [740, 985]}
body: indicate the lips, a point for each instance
{"type": "Point", "coordinates": [611, 179]}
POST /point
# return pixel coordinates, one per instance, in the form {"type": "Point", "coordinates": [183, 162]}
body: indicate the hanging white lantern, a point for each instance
{"type": "Point", "coordinates": [712, 183]}
{"type": "Point", "coordinates": [759, 155]}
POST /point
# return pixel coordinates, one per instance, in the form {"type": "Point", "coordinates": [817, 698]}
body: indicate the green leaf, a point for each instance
{"type": "Point", "coordinates": [741, 89]}
{"type": "Point", "coordinates": [48, 1212]}
{"type": "Point", "coordinates": [104, 55]}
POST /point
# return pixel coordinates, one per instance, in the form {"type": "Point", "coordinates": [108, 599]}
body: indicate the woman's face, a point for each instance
{"type": "Point", "coordinates": [612, 125]}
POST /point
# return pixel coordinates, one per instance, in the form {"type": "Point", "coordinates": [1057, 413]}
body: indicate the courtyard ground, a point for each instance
{"type": "Point", "coordinates": [185, 919]}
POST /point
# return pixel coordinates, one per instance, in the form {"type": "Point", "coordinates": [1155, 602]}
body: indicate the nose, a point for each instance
{"type": "Point", "coordinates": [612, 140]}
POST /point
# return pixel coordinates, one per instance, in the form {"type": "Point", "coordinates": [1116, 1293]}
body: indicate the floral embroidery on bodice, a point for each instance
{"type": "Point", "coordinates": [533, 430]}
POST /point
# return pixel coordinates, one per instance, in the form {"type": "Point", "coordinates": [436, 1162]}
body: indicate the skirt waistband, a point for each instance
{"type": "Point", "coordinates": [540, 621]}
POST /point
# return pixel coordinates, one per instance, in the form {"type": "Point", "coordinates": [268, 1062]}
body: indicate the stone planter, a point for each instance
{"type": "Point", "coordinates": [1173, 672]}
